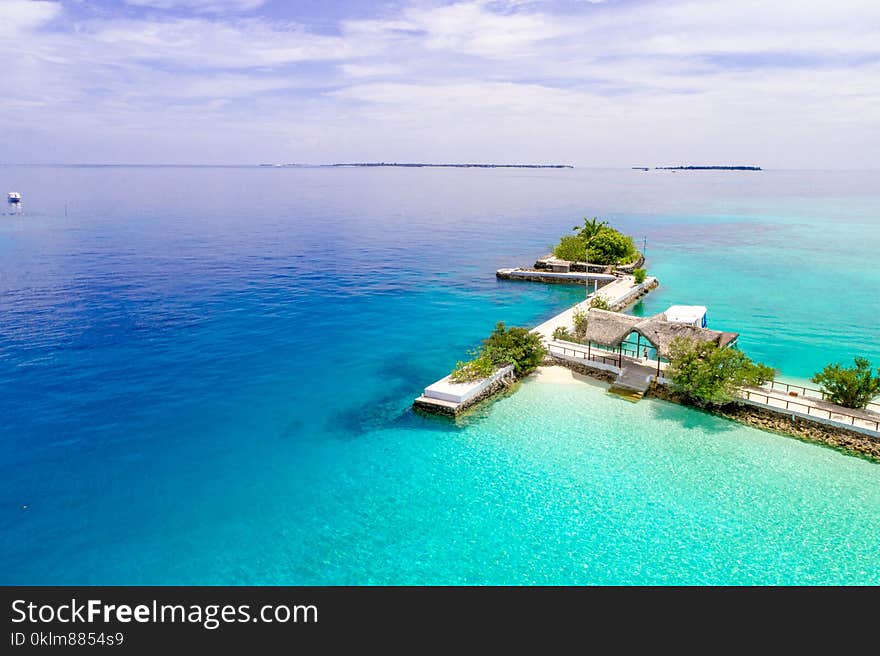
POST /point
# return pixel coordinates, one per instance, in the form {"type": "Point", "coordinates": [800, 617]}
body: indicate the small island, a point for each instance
{"type": "Point", "coordinates": [672, 355]}
{"type": "Point", "coordinates": [456, 166]}
{"type": "Point", "coordinates": [706, 168]}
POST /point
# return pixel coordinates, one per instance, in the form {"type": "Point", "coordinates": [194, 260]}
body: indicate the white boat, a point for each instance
{"type": "Point", "coordinates": [13, 197]}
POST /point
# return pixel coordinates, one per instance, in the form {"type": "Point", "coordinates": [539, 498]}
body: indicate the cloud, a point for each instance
{"type": "Point", "coordinates": [206, 6]}
{"type": "Point", "coordinates": [20, 16]}
{"type": "Point", "coordinates": [469, 27]}
{"type": "Point", "coordinates": [781, 83]}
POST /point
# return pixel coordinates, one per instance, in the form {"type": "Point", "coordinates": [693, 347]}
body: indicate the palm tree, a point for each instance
{"type": "Point", "coordinates": [590, 229]}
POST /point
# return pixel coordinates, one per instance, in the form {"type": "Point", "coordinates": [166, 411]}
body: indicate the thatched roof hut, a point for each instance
{"type": "Point", "coordinates": [662, 333]}
{"type": "Point", "coordinates": [609, 328]}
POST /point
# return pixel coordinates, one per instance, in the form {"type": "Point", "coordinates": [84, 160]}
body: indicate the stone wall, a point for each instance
{"type": "Point", "coordinates": [545, 263]}
{"type": "Point", "coordinates": [502, 383]}
{"type": "Point", "coordinates": [778, 421]}
{"type": "Point", "coordinates": [636, 294]}
{"type": "Point", "coordinates": [582, 368]}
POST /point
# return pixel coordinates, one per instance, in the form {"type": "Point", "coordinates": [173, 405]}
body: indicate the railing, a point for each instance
{"type": "Point", "coordinates": [586, 355]}
{"type": "Point", "coordinates": [812, 410]}
{"type": "Point", "coordinates": [788, 387]}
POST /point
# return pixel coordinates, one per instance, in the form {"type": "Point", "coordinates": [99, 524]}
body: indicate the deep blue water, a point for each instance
{"type": "Point", "coordinates": [206, 376]}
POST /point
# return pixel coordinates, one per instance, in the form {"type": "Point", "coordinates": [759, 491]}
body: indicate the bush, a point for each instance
{"type": "Point", "coordinates": [611, 247]}
{"type": "Point", "coordinates": [851, 387]}
{"type": "Point", "coordinates": [607, 245]}
{"type": "Point", "coordinates": [640, 275]}
{"type": "Point", "coordinates": [476, 369]}
{"type": "Point", "coordinates": [599, 303]}
{"type": "Point", "coordinates": [580, 324]}
{"type": "Point", "coordinates": [710, 375]}
{"type": "Point", "coordinates": [517, 346]}
{"type": "Point", "coordinates": [561, 332]}
{"type": "Point", "coordinates": [571, 248]}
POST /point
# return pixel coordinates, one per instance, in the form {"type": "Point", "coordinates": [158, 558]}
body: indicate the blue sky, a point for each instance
{"type": "Point", "coordinates": [787, 83]}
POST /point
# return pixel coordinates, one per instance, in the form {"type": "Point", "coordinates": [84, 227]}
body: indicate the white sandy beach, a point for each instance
{"type": "Point", "coordinates": [560, 375]}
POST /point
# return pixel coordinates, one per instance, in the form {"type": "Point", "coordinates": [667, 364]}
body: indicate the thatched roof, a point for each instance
{"type": "Point", "coordinates": [662, 333]}
{"type": "Point", "coordinates": [609, 328]}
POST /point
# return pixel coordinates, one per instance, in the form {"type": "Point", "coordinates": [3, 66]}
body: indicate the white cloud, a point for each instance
{"type": "Point", "coordinates": [19, 16]}
{"type": "Point", "coordinates": [214, 44]}
{"type": "Point", "coordinates": [782, 83]}
{"type": "Point", "coordinates": [206, 6]}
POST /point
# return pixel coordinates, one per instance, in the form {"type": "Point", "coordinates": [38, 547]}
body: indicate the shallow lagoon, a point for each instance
{"type": "Point", "coordinates": [207, 373]}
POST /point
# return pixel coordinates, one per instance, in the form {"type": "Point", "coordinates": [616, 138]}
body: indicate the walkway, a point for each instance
{"type": "Point", "coordinates": [864, 421]}
{"type": "Point", "coordinates": [633, 380]}
{"type": "Point", "coordinates": [616, 293]}
{"type": "Point", "coordinates": [814, 408]}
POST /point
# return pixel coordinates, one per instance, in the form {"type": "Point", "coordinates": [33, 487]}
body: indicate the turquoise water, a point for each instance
{"type": "Point", "coordinates": [206, 377]}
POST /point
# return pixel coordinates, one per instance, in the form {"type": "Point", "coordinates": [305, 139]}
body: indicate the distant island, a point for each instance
{"type": "Point", "coordinates": [425, 165]}
{"type": "Point", "coordinates": [704, 168]}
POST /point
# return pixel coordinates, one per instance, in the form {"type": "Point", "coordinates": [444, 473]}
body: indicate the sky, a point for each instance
{"type": "Point", "coordinates": [780, 84]}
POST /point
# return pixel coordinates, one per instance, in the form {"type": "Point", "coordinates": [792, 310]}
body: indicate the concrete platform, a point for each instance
{"type": "Point", "coordinates": [540, 275]}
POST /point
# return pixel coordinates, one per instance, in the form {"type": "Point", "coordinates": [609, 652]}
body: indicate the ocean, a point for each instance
{"type": "Point", "coordinates": [206, 375]}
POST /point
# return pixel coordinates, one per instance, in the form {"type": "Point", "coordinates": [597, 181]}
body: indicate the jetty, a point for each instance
{"type": "Point", "coordinates": [553, 270]}
{"type": "Point", "coordinates": [632, 353]}
{"type": "Point", "coordinates": [449, 398]}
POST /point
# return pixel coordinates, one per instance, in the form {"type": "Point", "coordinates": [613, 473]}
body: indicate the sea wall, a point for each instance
{"type": "Point", "coordinates": [504, 379]}
{"type": "Point", "coordinates": [546, 262]}
{"type": "Point", "coordinates": [598, 370]}
{"type": "Point", "coordinates": [786, 423]}
{"type": "Point", "coordinates": [635, 293]}
{"type": "Point", "coordinates": [553, 277]}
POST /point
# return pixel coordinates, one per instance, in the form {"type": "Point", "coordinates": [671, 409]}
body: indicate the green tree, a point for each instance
{"type": "Point", "coordinates": [517, 346]}
{"type": "Point", "coordinates": [590, 229]}
{"type": "Point", "coordinates": [640, 275]}
{"type": "Point", "coordinates": [611, 247]}
{"type": "Point", "coordinates": [851, 387]}
{"type": "Point", "coordinates": [606, 245]}
{"type": "Point", "coordinates": [710, 375]}
{"type": "Point", "coordinates": [571, 248]}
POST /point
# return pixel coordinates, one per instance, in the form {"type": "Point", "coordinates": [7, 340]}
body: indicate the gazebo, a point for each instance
{"type": "Point", "coordinates": [610, 330]}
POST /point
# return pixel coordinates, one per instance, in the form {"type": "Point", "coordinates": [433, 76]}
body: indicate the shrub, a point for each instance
{"type": "Point", "coordinates": [561, 332]}
{"type": "Point", "coordinates": [580, 324]}
{"type": "Point", "coordinates": [477, 368]}
{"type": "Point", "coordinates": [851, 387]}
{"type": "Point", "coordinates": [599, 303]}
{"type": "Point", "coordinates": [606, 245]}
{"type": "Point", "coordinates": [517, 346]}
{"type": "Point", "coordinates": [571, 248]}
{"type": "Point", "coordinates": [710, 375]}
{"type": "Point", "coordinates": [640, 275]}
{"type": "Point", "coordinates": [611, 247]}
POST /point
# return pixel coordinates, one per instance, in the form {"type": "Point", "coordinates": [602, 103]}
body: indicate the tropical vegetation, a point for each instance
{"type": "Point", "coordinates": [708, 374]}
{"type": "Point", "coordinates": [579, 319]}
{"type": "Point", "coordinates": [561, 332]}
{"type": "Point", "coordinates": [640, 275]}
{"type": "Point", "coordinates": [851, 387]}
{"type": "Point", "coordinates": [517, 346]}
{"type": "Point", "coordinates": [599, 242]}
